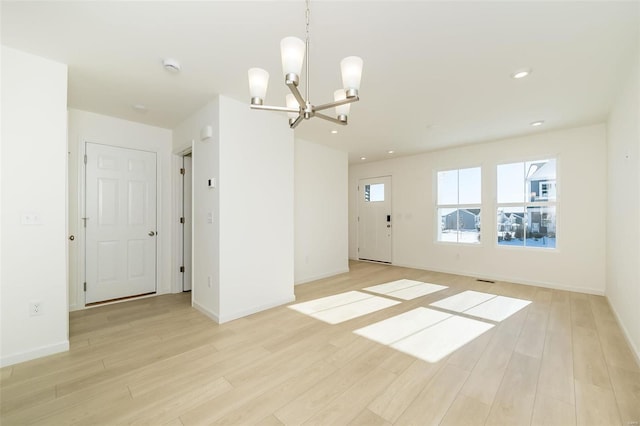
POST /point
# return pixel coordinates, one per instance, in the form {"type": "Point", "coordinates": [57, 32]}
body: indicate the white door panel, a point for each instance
{"type": "Point", "coordinates": [121, 222]}
{"type": "Point", "coordinates": [374, 219]}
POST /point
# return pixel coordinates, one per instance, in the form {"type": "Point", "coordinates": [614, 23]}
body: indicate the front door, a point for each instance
{"type": "Point", "coordinates": [374, 219]}
{"type": "Point", "coordinates": [120, 220]}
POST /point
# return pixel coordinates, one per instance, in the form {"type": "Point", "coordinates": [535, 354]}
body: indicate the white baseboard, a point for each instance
{"type": "Point", "coordinates": [207, 312]}
{"type": "Point", "coordinates": [553, 286]}
{"type": "Point", "coordinates": [247, 312]}
{"type": "Point", "coordinates": [321, 276]}
{"type": "Point", "coordinates": [35, 353]}
{"type": "Point", "coordinates": [634, 348]}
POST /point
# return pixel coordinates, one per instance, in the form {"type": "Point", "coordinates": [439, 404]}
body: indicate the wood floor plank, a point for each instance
{"type": "Point", "coordinates": [485, 378]}
{"type": "Point", "coordinates": [395, 399]}
{"type": "Point", "coordinates": [595, 405]}
{"type": "Point", "coordinates": [532, 335]}
{"type": "Point", "coordinates": [563, 359]}
{"type": "Point", "coordinates": [262, 406]}
{"type": "Point", "coordinates": [556, 371]}
{"type": "Point", "coordinates": [589, 365]}
{"type": "Point", "coordinates": [626, 388]}
{"type": "Point", "coordinates": [307, 404]}
{"type": "Point", "coordinates": [513, 403]}
{"type": "Point", "coordinates": [367, 418]}
{"type": "Point", "coordinates": [348, 405]}
{"type": "Point", "coordinates": [549, 411]}
{"type": "Point", "coordinates": [432, 404]}
{"type": "Point", "coordinates": [466, 411]}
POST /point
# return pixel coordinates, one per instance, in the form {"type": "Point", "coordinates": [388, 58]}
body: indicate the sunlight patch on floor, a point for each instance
{"type": "Point", "coordinates": [406, 289]}
{"type": "Point", "coordinates": [431, 335]}
{"type": "Point", "coordinates": [343, 307]}
{"type": "Point", "coordinates": [482, 305]}
{"type": "Point", "coordinates": [463, 301]}
{"type": "Point", "coordinates": [425, 333]}
{"type": "Point", "coordinates": [435, 342]}
{"type": "Point", "coordinates": [401, 326]}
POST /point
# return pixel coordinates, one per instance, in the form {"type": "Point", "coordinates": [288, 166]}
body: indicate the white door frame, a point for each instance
{"type": "Point", "coordinates": [81, 234]}
{"type": "Point", "coordinates": [176, 257]}
{"type": "Point", "coordinates": [359, 179]}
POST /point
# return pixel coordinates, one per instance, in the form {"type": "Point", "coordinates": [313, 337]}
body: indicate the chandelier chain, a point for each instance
{"type": "Point", "coordinates": [307, 78]}
{"type": "Point", "coordinates": [306, 14]}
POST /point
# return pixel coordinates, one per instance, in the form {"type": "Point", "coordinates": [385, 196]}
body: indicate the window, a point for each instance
{"type": "Point", "coordinates": [374, 193]}
{"type": "Point", "coordinates": [527, 201]}
{"type": "Point", "coordinates": [458, 205]}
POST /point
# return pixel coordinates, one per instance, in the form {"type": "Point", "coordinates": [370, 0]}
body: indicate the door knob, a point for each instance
{"type": "Point", "coordinates": [151, 233]}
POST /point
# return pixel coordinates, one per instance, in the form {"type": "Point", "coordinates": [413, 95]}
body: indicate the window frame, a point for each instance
{"type": "Point", "coordinates": [458, 206]}
{"type": "Point", "coordinates": [529, 203]}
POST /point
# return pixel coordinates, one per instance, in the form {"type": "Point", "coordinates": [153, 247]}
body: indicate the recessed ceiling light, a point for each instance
{"type": "Point", "coordinates": [334, 132]}
{"type": "Point", "coordinates": [363, 158]}
{"type": "Point", "coordinates": [537, 123]}
{"type": "Point", "coordinates": [139, 108]}
{"type": "Point", "coordinates": [521, 73]}
{"type": "Point", "coordinates": [171, 65]}
{"type": "Point", "coordinates": [390, 151]}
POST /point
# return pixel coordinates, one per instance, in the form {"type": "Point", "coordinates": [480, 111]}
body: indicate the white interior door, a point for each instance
{"type": "Point", "coordinates": [120, 222]}
{"type": "Point", "coordinates": [187, 223]}
{"type": "Point", "coordinates": [374, 219]}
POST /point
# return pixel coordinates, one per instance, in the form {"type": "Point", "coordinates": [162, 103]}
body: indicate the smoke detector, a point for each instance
{"type": "Point", "coordinates": [171, 65]}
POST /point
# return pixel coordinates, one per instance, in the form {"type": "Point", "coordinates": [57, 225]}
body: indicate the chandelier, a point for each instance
{"type": "Point", "coordinates": [294, 52]}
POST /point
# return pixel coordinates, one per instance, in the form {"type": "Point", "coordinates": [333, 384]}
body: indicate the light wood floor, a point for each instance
{"type": "Point", "coordinates": [562, 360]}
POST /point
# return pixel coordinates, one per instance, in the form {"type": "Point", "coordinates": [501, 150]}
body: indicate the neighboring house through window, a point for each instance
{"type": "Point", "coordinates": [527, 201]}
{"type": "Point", "coordinates": [459, 198]}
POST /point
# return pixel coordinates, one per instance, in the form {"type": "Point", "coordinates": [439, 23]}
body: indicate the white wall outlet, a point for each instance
{"type": "Point", "coordinates": [35, 308]}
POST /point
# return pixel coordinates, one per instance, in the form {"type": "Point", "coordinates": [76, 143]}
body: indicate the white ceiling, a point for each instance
{"type": "Point", "coordinates": [436, 74]}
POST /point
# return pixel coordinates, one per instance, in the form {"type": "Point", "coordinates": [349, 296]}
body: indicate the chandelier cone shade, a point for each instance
{"type": "Point", "coordinates": [295, 53]}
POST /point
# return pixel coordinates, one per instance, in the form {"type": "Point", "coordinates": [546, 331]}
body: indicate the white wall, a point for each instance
{"type": "Point", "coordinates": [34, 161]}
{"type": "Point", "coordinates": [579, 261]}
{"type": "Point", "coordinates": [90, 127]}
{"type": "Point", "coordinates": [256, 210]}
{"type": "Point", "coordinates": [321, 214]}
{"type": "Point", "coordinates": [206, 236]}
{"type": "Point", "coordinates": [623, 222]}
{"type": "Point", "coordinates": [247, 250]}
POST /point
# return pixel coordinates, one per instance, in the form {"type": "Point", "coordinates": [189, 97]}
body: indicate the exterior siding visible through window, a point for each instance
{"type": "Point", "coordinates": [458, 205]}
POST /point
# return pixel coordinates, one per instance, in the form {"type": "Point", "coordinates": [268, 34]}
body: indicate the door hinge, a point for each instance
{"type": "Point", "coordinates": [358, 218]}
{"type": "Point", "coordinates": [85, 286]}
{"type": "Point", "coordinates": [182, 220]}
{"type": "Point", "coordinates": [358, 249]}
{"type": "Point", "coordinates": [85, 159]}
{"type": "Point", "coordinates": [182, 171]}
{"type": "Point", "coordinates": [182, 269]}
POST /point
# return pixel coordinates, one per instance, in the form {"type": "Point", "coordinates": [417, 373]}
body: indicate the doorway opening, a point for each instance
{"type": "Point", "coordinates": [186, 221]}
